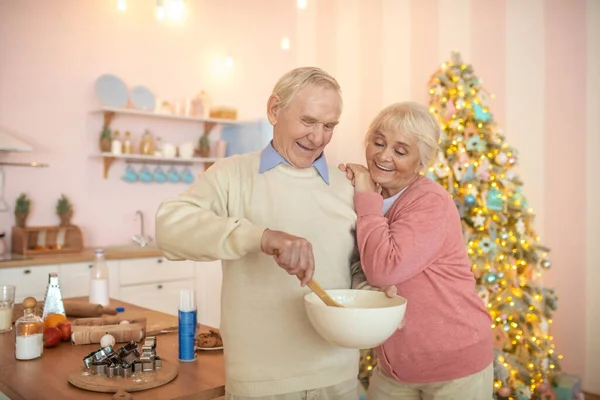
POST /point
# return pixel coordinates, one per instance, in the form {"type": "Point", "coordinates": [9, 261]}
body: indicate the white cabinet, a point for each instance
{"type": "Point", "coordinates": [156, 296]}
{"type": "Point", "coordinates": [209, 276]}
{"type": "Point", "coordinates": [75, 279]}
{"type": "Point", "coordinates": [154, 270]}
{"type": "Point", "coordinates": [155, 283]}
{"type": "Point", "coordinates": [29, 281]}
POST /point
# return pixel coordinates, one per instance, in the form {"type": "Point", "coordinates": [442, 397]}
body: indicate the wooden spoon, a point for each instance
{"type": "Point", "coordinates": [320, 292]}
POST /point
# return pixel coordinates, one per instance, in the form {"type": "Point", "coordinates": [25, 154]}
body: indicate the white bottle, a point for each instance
{"type": "Point", "coordinates": [116, 146]}
{"type": "Point", "coordinates": [99, 280]}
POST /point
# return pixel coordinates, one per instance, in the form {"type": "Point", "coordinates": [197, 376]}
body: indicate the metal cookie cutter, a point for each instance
{"type": "Point", "coordinates": [112, 371]}
{"type": "Point", "coordinates": [98, 369]}
{"type": "Point", "coordinates": [128, 354]}
{"type": "Point", "coordinates": [125, 372]}
{"type": "Point", "coordinates": [98, 356]}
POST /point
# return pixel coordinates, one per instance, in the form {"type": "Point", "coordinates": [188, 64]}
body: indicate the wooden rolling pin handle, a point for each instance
{"type": "Point", "coordinates": [109, 311]}
{"type": "Point", "coordinates": [80, 309]}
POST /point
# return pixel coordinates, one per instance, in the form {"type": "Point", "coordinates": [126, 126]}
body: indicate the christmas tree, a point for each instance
{"type": "Point", "coordinates": [477, 167]}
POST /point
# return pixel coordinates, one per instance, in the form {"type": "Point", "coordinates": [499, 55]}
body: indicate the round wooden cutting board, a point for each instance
{"type": "Point", "coordinates": [83, 379]}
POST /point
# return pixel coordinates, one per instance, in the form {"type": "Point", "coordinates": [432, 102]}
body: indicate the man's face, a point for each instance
{"type": "Point", "coordinates": [303, 129]}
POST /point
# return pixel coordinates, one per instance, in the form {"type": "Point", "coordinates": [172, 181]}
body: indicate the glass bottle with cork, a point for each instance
{"type": "Point", "coordinates": [29, 332]}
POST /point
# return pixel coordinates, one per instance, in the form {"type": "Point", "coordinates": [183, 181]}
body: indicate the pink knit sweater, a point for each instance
{"type": "Point", "coordinates": [418, 246]}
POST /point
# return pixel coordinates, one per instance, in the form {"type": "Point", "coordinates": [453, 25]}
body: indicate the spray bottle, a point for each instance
{"type": "Point", "coordinates": [187, 325]}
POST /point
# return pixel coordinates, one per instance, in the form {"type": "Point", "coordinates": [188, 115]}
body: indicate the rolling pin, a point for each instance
{"type": "Point", "coordinates": [80, 309]}
{"type": "Point", "coordinates": [91, 330]}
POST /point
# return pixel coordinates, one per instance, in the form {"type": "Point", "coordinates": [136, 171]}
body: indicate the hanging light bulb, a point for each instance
{"type": "Point", "coordinates": [160, 10]}
{"type": "Point", "coordinates": [121, 5]}
{"type": "Point", "coordinates": [301, 4]}
{"type": "Point", "coordinates": [175, 10]}
{"type": "Point", "coordinates": [285, 43]}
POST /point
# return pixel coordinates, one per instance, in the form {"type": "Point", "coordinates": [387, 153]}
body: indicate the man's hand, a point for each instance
{"type": "Point", "coordinates": [360, 177]}
{"type": "Point", "coordinates": [292, 253]}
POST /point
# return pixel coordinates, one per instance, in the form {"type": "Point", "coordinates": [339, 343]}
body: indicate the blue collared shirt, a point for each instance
{"type": "Point", "coordinates": [270, 158]}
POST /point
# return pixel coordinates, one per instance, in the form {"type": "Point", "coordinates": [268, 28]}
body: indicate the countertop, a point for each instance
{"type": "Point", "coordinates": [87, 255]}
{"type": "Point", "coordinates": [47, 377]}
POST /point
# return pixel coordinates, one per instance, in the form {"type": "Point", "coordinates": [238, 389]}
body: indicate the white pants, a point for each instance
{"type": "Point", "coordinates": [343, 391]}
{"type": "Point", "coordinates": [479, 386]}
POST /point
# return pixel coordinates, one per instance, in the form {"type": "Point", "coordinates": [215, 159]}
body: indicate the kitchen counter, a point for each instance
{"type": "Point", "coordinates": [87, 255]}
{"type": "Point", "coordinates": [47, 377]}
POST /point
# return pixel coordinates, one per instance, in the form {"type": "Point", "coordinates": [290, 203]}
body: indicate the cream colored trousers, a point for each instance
{"type": "Point", "coordinates": [479, 386]}
{"type": "Point", "coordinates": [344, 391]}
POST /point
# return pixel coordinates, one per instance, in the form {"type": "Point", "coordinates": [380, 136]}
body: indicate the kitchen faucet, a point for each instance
{"type": "Point", "coordinates": [141, 239]}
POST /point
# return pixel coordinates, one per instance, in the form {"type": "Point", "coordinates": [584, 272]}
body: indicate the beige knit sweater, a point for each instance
{"type": "Point", "coordinates": [270, 345]}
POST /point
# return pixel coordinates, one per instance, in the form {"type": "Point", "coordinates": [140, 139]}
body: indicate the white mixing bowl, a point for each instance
{"type": "Point", "coordinates": [368, 318]}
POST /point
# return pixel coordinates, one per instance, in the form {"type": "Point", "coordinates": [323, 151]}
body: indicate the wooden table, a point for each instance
{"type": "Point", "coordinates": [47, 377]}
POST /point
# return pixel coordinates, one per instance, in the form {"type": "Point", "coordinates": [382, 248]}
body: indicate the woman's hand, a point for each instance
{"type": "Point", "coordinates": [390, 291]}
{"type": "Point", "coordinates": [360, 177]}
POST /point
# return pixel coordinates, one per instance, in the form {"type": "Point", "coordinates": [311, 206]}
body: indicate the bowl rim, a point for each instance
{"type": "Point", "coordinates": [310, 295]}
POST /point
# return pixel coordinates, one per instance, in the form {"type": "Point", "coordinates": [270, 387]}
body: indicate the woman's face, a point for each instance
{"type": "Point", "coordinates": [393, 160]}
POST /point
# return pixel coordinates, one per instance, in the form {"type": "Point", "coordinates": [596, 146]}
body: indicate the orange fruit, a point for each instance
{"type": "Point", "coordinates": [53, 320]}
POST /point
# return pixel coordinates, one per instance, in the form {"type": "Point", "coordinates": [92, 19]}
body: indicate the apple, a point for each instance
{"type": "Point", "coordinates": [52, 336]}
{"type": "Point", "coordinates": [65, 329]}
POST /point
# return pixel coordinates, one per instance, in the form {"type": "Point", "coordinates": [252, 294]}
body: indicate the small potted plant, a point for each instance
{"type": "Point", "coordinates": [22, 210]}
{"type": "Point", "coordinates": [64, 209]}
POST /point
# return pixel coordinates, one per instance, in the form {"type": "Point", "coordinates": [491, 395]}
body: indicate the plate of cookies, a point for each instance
{"type": "Point", "coordinates": [208, 341]}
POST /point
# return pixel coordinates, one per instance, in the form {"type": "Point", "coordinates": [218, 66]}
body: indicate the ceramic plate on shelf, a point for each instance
{"type": "Point", "coordinates": [142, 98]}
{"type": "Point", "coordinates": [111, 91]}
{"type": "Point", "coordinates": [209, 348]}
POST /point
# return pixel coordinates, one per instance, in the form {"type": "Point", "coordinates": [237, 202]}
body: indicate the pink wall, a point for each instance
{"type": "Point", "coordinates": [530, 54]}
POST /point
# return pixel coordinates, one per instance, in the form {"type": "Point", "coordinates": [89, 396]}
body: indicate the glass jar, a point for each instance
{"type": "Point", "coordinates": [29, 332]}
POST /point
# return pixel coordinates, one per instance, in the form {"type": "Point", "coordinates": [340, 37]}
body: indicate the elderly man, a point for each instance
{"type": "Point", "coordinates": [269, 215]}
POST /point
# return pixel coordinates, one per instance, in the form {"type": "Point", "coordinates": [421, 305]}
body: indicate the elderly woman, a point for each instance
{"type": "Point", "coordinates": [410, 239]}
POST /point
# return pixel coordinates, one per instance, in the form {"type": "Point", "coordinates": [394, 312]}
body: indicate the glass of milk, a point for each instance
{"type": "Point", "coordinates": [7, 300]}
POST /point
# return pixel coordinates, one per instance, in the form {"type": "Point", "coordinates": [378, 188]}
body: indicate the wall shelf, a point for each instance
{"type": "Point", "coordinates": [109, 158]}
{"type": "Point", "coordinates": [209, 123]}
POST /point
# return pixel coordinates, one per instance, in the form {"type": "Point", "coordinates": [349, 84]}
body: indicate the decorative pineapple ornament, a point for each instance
{"type": "Point", "coordinates": [105, 139]}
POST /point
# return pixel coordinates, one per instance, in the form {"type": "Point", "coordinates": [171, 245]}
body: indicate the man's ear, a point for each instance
{"type": "Point", "coordinates": [273, 109]}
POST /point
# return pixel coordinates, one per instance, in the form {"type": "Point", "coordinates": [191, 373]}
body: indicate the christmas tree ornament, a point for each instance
{"type": "Point", "coordinates": [460, 207]}
{"type": "Point", "coordinates": [470, 200]}
{"type": "Point", "coordinates": [476, 144]}
{"type": "Point", "coordinates": [459, 170]}
{"type": "Point", "coordinates": [484, 295]}
{"type": "Point", "coordinates": [501, 158]}
{"type": "Point", "coordinates": [546, 264]}
{"type": "Point", "coordinates": [494, 200]}
{"type": "Point", "coordinates": [523, 392]}
{"type": "Point", "coordinates": [480, 114]}
{"type": "Point", "coordinates": [483, 171]}
{"type": "Point", "coordinates": [520, 225]}
{"type": "Point", "coordinates": [478, 220]}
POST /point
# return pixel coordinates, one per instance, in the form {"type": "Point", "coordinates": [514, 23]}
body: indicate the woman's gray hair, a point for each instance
{"type": "Point", "coordinates": [297, 79]}
{"type": "Point", "coordinates": [412, 119]}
